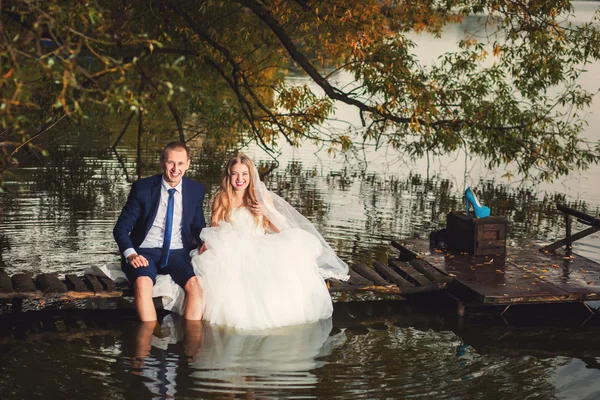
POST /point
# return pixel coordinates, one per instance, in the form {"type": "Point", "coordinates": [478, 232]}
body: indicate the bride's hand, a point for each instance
{"type": "Point", "coordinates": [256, 209]}
{"type": "Point", "coordinates": [202, 249]}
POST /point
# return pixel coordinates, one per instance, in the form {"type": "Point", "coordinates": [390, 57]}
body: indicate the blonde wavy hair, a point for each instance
{"type": "Point", "coordinates": [222, 203]}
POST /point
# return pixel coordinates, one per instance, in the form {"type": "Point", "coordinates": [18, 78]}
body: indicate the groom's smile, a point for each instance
{"type": "Point", "coordinates": [175, 165]}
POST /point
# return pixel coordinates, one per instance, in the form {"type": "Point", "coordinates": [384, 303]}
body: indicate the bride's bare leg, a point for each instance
{"type": "Point", "coordinates": [193, 306]}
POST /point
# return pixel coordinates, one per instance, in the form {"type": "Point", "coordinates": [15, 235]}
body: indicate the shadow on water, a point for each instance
{"type": "Point", "coordinates": [364, 346]}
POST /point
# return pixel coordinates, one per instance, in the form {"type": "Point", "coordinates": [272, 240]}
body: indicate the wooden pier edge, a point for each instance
{"type": "Point", "coordinates": [383, 279]}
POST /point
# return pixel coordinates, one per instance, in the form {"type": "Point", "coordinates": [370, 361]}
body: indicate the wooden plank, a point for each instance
{"type": "Point", "coordinates": [430, 271]}
{"type": "Point", "coordinates": [334, 282]}
{"type": "Point", "coordinates": [370, 274]}
{"type": "Point", "coordinates": [391, 275]}
{"type": "Point", "coordinates": [392, 289]}
{"type": "Point", "coordinates": [592, 221]}
{"type": "Point", "coordinates": [75, 283]}
{"type": "Point", "coordinates": [553, 246]}
{"type": "Point", "coordinates": [92, 283]}
{"type": "Point", "coordinates": [356, 279]}
{"type": "Point", "coordinates": [405, 252]}
{"type": "Point", "coordinates": [107, 284]}
{"type": "Point", "coordinates": [49, 283]}
{"type": "Point", "coordinates": [492, 243]}
{"type": "Point", "coordinates": [5, 284]}
{"type": "Point", "coordinates": [23, 283]}
{"type": "Point", "coordinates": [66, 296]}
{"type": "Point", "coordinates": [412, 274]}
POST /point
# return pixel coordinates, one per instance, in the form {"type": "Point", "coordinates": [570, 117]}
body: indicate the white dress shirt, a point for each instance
{"type": "Point", "coordinates": [156, 234]}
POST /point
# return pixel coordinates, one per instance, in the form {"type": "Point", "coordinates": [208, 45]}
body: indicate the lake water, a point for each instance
{"type": "Point", "coordinates": [57, 215]}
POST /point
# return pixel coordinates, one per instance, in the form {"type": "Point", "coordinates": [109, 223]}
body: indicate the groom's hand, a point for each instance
{"type": "Point", "coordinates": [136, 261]}
{"type": "Point", "coordinates": [202, 249]}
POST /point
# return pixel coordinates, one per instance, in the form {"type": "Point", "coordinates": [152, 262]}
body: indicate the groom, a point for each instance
{"type": "Point", "coordinates": [158, 227]}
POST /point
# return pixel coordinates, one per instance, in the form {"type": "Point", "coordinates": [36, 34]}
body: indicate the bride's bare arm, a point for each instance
{"type": "Point", "coordinates": [257, 210]}
{"type": "Point", "coordinates": [215, 217]}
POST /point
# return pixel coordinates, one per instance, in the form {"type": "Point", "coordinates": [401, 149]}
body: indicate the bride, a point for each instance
{"type": "Point", "coordinates": [262, 264]}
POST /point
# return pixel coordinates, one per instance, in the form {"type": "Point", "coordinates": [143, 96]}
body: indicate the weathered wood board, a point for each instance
{"type": "Point", "coordinates": [524, 275]}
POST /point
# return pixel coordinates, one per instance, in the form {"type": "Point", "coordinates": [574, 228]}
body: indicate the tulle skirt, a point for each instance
{"type": "Point", "coordinates": [259, 282]}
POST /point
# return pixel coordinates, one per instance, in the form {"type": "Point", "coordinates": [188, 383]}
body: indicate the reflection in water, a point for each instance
{"type": "Point", "coordinates": [59, 217]}
{"type": "Point", "coordinates": [384, 349]}
{"type": "Point", "coordinates": [221, 359]}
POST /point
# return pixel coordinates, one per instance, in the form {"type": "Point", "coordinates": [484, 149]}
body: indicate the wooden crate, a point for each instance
{"type": "Point", "coordinates": [476, 236]}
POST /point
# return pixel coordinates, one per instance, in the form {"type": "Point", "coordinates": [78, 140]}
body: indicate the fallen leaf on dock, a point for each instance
{"type": "Point", "coordinates": [453, 275]}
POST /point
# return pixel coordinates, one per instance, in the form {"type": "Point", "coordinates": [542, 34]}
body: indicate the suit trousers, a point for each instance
{"type": "Point", "coordinates": [179, 266]}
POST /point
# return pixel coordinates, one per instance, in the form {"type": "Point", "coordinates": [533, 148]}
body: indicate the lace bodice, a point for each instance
{"type": "Point", "coordinates": [243, 221]}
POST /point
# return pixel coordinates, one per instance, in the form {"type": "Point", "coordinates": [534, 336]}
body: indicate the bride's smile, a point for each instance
{"type": "Point", "coordinates": [240, 177]}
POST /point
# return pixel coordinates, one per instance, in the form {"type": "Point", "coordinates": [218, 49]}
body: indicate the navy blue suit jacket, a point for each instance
{"type": "Point", "coordinates": [142, 205]}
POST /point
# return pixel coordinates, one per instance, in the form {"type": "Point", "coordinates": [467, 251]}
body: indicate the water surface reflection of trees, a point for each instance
{"type": "Point", "coordinates": [76, 193]}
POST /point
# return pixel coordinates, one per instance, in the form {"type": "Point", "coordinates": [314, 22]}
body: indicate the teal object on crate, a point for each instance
{"type": "Point", "coordinates": [480, 211]}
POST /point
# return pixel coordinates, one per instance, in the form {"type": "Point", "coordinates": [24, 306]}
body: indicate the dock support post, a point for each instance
{"type": "Point", "coordinates": [568, 239]}
{"type": "Point", "coordinates": [17, 305]}
{"type": "Point", "coordinates": [460, 308]}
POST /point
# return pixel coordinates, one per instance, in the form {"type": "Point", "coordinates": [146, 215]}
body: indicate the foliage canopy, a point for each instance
{"type": "Point", "coordinates": [217, 68]}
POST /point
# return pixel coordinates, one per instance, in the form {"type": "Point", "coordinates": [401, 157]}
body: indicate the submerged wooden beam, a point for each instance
{"type": "Point", "coordinates": [411, 273]}
{"type": "Point", "coordinates": [23, 283]}
{"type": "Point", "coordinates": [356, 279]}
{"type": "Point", "coordinates": [49, 283]}
{"type": "Point", "coordinates": [392, 289]}
{"type": "Point", "coordinates": [5, 284]}
{"type": "Point", "coordinates": [391, 275]}
{"type": "Point", "coordinates": [430, 271]}
{"type": "Point", "coordinates": [75, 283]}
{"type": "Point", "coordinates": [370, 274]}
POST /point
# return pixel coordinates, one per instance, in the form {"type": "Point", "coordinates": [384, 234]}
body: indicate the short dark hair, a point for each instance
{"type": "Point", "coordinates": [174, 145]}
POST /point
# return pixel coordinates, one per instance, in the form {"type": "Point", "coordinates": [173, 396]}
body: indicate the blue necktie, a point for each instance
{"type": "Point", "coordinates": [168, 229]}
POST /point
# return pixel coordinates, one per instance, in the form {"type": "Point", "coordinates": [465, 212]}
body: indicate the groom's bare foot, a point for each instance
{"type": "Point", "coordinates": [193, 339]}
{"type": "Point", "coordinates": [142, 345]}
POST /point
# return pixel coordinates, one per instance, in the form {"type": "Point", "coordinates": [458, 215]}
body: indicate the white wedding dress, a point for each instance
{"type": "Point", "coordinates": [255, 280]}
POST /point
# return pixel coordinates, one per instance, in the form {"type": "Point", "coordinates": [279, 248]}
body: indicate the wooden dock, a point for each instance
{"type": "Point", "coordinates": [522, 276]}
{"type": "Point", "coordinates": [396, 279]}
{"type": "Point", "coordinates": [49, 286]}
